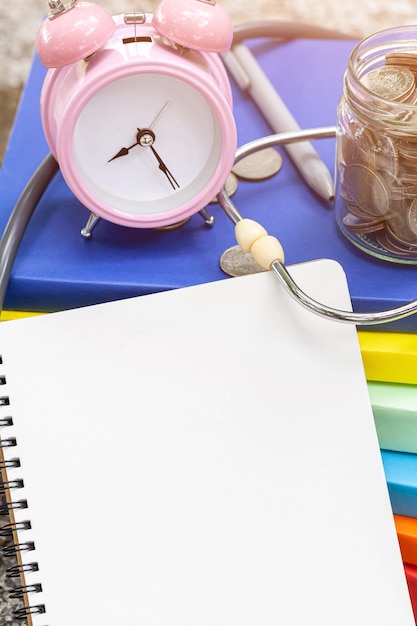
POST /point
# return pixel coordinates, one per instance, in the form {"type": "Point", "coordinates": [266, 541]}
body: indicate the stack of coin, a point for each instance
{"type": "Point", "coordinates": [378, 168]}
{"type": "Point", "coordinates": [403, 58]}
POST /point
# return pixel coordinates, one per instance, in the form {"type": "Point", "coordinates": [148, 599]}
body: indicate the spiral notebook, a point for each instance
{"type": "Point", "coordinates": [204, 456]}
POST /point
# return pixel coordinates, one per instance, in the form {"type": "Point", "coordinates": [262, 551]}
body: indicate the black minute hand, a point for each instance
{"type": "Point", "coordinates": [164, 169]}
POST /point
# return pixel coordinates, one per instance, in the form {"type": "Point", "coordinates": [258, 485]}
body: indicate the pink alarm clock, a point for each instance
{"type": "Point", "coordinates": [137, 108]}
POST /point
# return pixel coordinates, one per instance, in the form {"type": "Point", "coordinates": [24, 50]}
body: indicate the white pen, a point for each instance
{"type": "Point", "coordinates": [250, 77]}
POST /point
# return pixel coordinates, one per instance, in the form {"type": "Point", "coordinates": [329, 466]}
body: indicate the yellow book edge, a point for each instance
{"type": "Point", "coordinates": [387, 357]}
{"type": "Point", "coordinates": [15, 315]}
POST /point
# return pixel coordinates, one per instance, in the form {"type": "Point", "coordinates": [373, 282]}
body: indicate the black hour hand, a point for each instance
{"type": "Point", "coordinates": [121, 153]}
{"type": "Point", "coordinates": [124, 151]}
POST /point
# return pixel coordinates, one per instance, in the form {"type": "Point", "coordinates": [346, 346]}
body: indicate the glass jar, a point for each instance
{"type": "Point", "coordinates": [376, 147]}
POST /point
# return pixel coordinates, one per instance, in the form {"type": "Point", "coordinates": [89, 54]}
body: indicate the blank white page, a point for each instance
{"type": "Point", "coordinates": [202, 457]}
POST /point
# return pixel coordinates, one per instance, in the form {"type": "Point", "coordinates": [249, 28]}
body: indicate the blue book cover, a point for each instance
{"type": "Point", "coordinates": [401, 476]}
{"type": "Point", "coordinates": [57, 269]}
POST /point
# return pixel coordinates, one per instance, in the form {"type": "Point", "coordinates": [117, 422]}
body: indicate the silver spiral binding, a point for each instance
{"type": "Point", "coordinates": [21, 592]}
{"type": "Point", "coordinates": [9, 530]}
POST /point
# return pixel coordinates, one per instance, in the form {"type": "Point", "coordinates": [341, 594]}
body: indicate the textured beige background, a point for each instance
{"type": "Point", "coordinates": [20, 19]}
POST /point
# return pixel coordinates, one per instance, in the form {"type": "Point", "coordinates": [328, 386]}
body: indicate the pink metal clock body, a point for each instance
{"type": "Point", "coordinates": [133, 51]}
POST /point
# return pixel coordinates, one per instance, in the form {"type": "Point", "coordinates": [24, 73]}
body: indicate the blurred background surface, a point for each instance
{"type": "Point", "coordinates": [20, 19]}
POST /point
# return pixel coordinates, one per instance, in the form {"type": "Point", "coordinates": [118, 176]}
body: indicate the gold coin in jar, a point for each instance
{"type": "Point", "coordinates": [357, 146]}
{"type": "Point", "coordinates": [390, 82]}
{"type": "Point", "coordinates": [367, 189]}
{"type": "Point", "coordinates": [402, 58]}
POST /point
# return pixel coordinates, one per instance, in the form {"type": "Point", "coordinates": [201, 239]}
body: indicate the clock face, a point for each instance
{"type": "Point", "coordinates": [146, 144]}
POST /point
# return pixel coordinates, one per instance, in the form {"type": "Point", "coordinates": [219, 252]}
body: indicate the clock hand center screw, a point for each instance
{"type": "Point", "coordinates": [145, 137]}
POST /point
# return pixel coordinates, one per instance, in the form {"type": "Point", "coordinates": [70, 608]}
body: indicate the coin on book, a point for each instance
{"type": "Point", "coordinates": [259, 165]}
{"type": "Point", "coordinates": [234, 262]}
{"type": "Point", "coordinates": [230, 186]}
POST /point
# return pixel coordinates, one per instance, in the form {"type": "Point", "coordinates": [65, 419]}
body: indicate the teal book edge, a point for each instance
{"type": "Point", "coordinates": [395, 412]}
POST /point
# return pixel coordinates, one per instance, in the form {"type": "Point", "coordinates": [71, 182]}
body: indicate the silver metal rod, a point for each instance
{"type": "Point", "coordinates": [279, 139]}
{"type": "Point", "coordinates": [339, 315]}
{"type": "Point", "coordinates": [280, 271]}
{"type": "Point", "coordinates": [224, 199]}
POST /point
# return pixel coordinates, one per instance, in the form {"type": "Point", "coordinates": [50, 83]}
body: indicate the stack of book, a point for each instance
{"type": "Point", "coordinates": [390, 361]}
{"type": "Point", "coordinates": [56, 268]}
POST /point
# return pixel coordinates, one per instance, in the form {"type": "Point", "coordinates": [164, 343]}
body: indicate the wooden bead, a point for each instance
{"type": "Point", "coordinates": [266, 250]}
{"type": "Point", "coordinates": [248, 231]}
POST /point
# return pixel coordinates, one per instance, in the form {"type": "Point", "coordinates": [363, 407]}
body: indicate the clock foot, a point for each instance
{"type": "Point", "coordinates": [91, 224]}
{"type": "Point", "coordinates": [208, 219]}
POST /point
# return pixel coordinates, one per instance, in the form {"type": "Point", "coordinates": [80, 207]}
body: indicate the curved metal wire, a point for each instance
{"type": "Point", "coordinates": [280, 271]}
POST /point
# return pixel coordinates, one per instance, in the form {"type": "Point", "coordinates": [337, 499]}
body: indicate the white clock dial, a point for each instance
{"type": "Point", "coordinates": [142, 173]}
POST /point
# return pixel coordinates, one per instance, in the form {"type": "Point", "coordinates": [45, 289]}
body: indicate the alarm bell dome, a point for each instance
{"type": "Point", "coordinates": [196, 24]}
{"type": "Point", "coordinates": [73, 32]}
